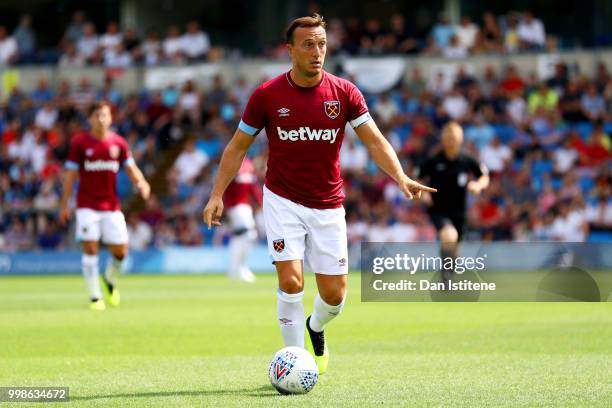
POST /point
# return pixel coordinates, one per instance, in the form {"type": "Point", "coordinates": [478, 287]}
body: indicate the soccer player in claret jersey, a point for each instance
{"type": "Point", "coordinates": [238, 200]}
{"type": "Point", "coordinates": [304, 112]}
{"type": "Point", "coordinates": [95, 158]}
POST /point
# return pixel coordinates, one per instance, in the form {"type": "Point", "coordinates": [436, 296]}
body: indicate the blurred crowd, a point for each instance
{"type": "Point", "coordinates": [546, 143]}
{"type": "Point", "coordinates": [85, 44]}
{"type": "Point", "coordinates": [510, 33]}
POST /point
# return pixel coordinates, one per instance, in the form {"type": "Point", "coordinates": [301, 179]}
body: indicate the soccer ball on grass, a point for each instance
{"type": "Point", "coordinates": [293, 370]}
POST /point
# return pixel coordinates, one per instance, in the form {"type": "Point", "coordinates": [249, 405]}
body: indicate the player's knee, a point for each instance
{"type": "Point", "coordinates": [90, 248]}
{"type": "Point", "coordinates": [291, 283]}
{"type": "Point", "coordinates": [449, 234]}
{"type": "Point", "coordinates": [333, 295]}
{"type": "Point", "coordinates": [335, 298]}
{"type": "Point", "coordinates": [120, 254]}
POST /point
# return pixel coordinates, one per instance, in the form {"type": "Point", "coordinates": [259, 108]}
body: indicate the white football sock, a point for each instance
{"type": "Point", "coordinates": [113, 269]}
{"type": "Point", "coordinates": [239, 251]}
{"type": "Point", "coordinates": [90, 268]}
{"type": "Point", "coordinates": [323, 313]}
{"type": "Point", "coordinates": [291, 318]}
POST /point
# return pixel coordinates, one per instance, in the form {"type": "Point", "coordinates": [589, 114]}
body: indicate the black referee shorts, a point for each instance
{"type": "Point", "coordinates": [440, 220]}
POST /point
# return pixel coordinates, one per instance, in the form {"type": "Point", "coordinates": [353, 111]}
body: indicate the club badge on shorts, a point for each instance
{"type": "Point", "coordinates": [332, 109]}
{"type": "Point", "coordinates": [279, 245]}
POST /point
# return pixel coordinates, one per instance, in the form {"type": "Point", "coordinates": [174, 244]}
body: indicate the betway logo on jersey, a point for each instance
{"type": "Point", "coordinates": [306, 133]}
{"type": "Point", "coordinates": [102, 165]}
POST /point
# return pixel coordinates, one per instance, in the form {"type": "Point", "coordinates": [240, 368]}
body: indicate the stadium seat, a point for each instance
{"type": "Point", "coordinates": [584, 129]}
{"type": "Point", "coordinates": [586, 184]}
{"type": "Point", "coordinates": [556, 183]}
{"type": "Point", "coordinates": [124, 187]}
{"type": "Point", "coordinates": [505, 133]}
{"type": "Point", "coordinates": [210, 147]}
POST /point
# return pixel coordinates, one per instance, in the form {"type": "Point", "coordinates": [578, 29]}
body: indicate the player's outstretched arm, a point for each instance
{"type": "Point", "coordinates": [138, 180]}
{"type": "Point", "coordinates": [476, 186]}
{"type": "Point", "coordinates": [70, 176]}
{"type": "Point", "coordinates": [385, 158]}
{"type": "Point", "coordinates": [482, 182]}
{"type": "Point", "coordinates": [231, 160]}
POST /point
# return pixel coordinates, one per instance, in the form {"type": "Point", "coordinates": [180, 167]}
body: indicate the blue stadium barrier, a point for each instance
{"type": "Point", "coordinates": [169, 260]}
{"type": "Point", "coordinates": [208, 260]}
{"type": "Point", "coordinates": [600, 236]}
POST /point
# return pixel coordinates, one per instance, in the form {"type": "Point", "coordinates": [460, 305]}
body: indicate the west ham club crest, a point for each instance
{"type": "Point", "coordinates": [332, 109]}
{"type": "Point", "coordinates": [279, 245]}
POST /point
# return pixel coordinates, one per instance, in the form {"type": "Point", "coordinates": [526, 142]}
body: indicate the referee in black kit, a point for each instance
{"type": "Point", "coordinates": [453, 173]}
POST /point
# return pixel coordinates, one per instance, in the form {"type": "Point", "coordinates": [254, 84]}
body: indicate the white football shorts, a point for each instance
{"type": "Point", "coordinates": [109, 226]}
{"type": "Point", "coordinates": [296, 232]}
{"type": "Point", "coordinates": [241, 217]}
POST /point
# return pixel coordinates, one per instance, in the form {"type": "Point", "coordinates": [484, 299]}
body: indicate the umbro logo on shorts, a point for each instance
{"type": "Point", "coordinates": [342, 261]}
{"type": "Point", "coordinates": [279, 245]}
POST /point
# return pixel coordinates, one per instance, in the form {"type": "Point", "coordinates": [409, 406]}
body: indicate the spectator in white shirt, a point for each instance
{"type": "Point", "coordinates": [455, 49]}
{"type": "Point", "coordinates": [495, 155]}
{"type": "Point", "coordinates": [467, 32]}
{"type": "Point", "coordinates": [530, 32]}
{"type": "Point", "coordinates": [386, 109]}
{"type": "Point", "coordinates": [140, 233]}
{"type": "Point", "coordinates": [353, 156]}
{"type": "Point", "coordinates": [117, 57]}
{"type": "Point", "coordinates": [151, 48]}
{"type": "Point", "coordinates": [190, 163]}
{"type": "Point", "coordinates": [71, 58]}
{"type": "Point", "coordinates": [8, 48]}
{"type": "Point", "coordinates": [570, 225]}
{"type": "Point", "coordinates": [593, 104]}
{"type": "Point", "coordinates": [46, 117]}
{"type": "Point", "coordinates": [173, 46]}
{"type": "Point", "coordinates": [599, 214]}
{"type": "Point", "coordinates": [87, 46]}
{"type": "Point", "coordinates": [196, 44]}
{"type": "Point", "coordinates": [111, 38]}
{"type": "Point", "coordinates": [516, 108]}
{"type": "Point", "coordinates": [188, 104]}
{"type": "Point", "coordinates": [455, 105]}
{"type": "Point", "coordinates": [564, 157]}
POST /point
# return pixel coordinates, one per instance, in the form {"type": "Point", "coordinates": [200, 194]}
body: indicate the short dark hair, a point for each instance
{"type": "Point", "coordinates": [96, 106]}
{"type": "Point", "coordinates": [315, 20]}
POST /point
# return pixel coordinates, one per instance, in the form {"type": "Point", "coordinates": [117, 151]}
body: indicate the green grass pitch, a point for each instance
{"type": "Point", "coordinates": [207, 341]}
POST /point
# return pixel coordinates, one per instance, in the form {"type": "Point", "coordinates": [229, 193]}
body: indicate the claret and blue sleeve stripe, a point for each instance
{"type": "Point", "coordinates": [249, 130]}
{"type": "Point", "coordinates": [70, 165]}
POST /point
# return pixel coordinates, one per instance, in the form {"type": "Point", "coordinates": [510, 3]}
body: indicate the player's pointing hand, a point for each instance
{"type": "Point", "coordinates": [412, 189]}
{"type": "Point", "coordinates": [213, 211]}
{"type": "Point", "coordinates": [145, 189]}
